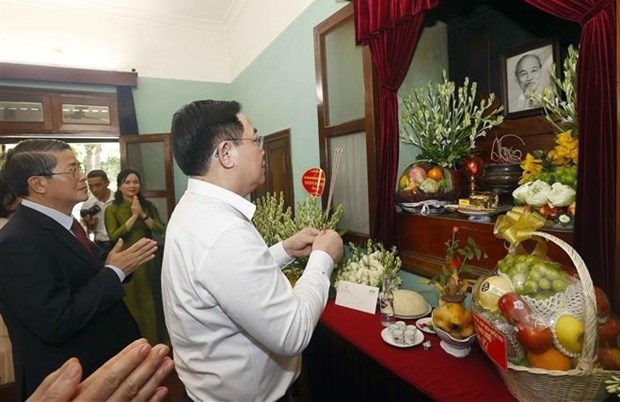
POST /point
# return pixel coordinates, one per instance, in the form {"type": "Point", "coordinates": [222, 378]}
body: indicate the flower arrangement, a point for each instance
{"type": "Point", "coordinates": [370, 266]}
{"type": "Point", "coordinates": [449, 282]}
{"type": "Point", "coordinates": [276, 223]}
{"type": "Point", "coordinates": [445, 122]}
{"type": "Point", "coordinates": [549, 179]}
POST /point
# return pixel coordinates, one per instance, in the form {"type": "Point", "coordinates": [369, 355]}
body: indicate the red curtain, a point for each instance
{"type": "Point", "coordinates": [596, 107]}
{"type": "Point", "coordinates": [391, 29]}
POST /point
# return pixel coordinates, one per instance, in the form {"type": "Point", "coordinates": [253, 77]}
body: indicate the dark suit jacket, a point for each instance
{"type": "Point", "coordinates": [57, 300]}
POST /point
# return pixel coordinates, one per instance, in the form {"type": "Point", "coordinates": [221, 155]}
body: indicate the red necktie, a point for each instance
{"type": "Point", "coordinates": [79, 232]}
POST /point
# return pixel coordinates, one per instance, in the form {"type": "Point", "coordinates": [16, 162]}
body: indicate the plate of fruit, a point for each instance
{"type": "Point", "coordinates": [425, 324]}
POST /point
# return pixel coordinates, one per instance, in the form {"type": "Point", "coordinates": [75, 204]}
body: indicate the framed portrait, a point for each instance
{"type": "Point", "coordinates": [527, 70]}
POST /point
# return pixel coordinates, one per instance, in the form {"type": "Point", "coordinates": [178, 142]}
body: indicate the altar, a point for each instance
{"type": "Point", "coordinates": [347, 360]}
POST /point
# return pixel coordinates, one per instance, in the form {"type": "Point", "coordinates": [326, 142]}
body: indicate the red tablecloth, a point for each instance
{"type": "Point", "coordinates": [433, 372]}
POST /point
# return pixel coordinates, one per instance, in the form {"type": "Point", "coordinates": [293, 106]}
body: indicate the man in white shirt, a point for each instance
{"type": "Point", "coordinates": [100, 196]}
{"type": "Point", "coordinates": [236, 325]}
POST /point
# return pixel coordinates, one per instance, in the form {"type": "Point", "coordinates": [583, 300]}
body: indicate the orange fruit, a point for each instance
{"type": "Point", "coordinates": [435, 173]}
{"type": "Point", "coordinates": [550, 359]}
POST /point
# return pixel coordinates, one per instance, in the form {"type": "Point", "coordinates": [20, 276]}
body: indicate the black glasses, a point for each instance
{"type": "Point", "coordinates": [75, 171]}
{"type": "Point", "coordinates": [259, 140]}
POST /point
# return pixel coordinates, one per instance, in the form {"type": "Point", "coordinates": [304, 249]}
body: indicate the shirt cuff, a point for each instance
{"type": "Point", "coordinates": [280, 255]}
{"type": "Point", "coordinates": [119, 272]}
{"type": "Point", "coordinates": [320, 262]}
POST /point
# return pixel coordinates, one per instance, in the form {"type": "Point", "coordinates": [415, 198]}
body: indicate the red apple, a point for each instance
{"type": "Point", "coordinates": [550, 213]}
{"type": "Point", "coordinates": [535, 335]}
{"type": "Point", "coordinates": [602, 303]}
{"type": "Point", "coordinates": [514, 308]}
{"type": "Point", "coordinates": [609, 358]}
{"type": "Point", "coordinates": [609, 332]}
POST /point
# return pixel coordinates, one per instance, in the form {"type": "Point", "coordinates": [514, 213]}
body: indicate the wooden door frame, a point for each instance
{"type": "Point", "coordinates": [367, 124]}
{"type": "Point", "coordinates": [168, 193]}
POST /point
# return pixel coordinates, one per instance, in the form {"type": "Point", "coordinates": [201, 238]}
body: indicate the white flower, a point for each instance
{"type": "Point", "coordinates": [370, 266]}
{"type": "Point", "coordinates": [537, 194]}
{"type": "Point", "coordinates": [520, 192]}
{"type": "Point", "coordinates": [564, 219]}
{"type": "Point", "coordinates": [561, 195]}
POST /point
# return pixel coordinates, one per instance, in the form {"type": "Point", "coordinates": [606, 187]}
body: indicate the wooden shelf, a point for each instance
{"type": "Point", "coordinates": [422, 248]}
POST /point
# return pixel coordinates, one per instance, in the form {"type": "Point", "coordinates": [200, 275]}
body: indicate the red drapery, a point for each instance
{"type": "Point", "coordinates": [596, 107]}
{"type": "Point", "coordinates": [391, 29]}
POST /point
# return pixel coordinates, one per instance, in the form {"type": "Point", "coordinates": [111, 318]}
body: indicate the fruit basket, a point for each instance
{"type": "Point", "coordinates": [585, 382]}
{"type": "Point", "coordinates": [424, 187]}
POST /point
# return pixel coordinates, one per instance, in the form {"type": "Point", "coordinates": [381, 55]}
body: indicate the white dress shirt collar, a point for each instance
{"type": "Point", "coordinates": [202, 187]}
{"type": "Point", "coordinates": [65, 220]}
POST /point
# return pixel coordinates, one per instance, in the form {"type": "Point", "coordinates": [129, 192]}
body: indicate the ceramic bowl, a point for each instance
{"type": "Point", "coordinates": [453, 346]}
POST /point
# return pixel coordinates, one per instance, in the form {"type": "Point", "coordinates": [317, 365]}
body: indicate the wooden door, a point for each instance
{"type": "Point", "coordinates": [278, 169]}
{"type": "Point", "coordinates": [151, 155]}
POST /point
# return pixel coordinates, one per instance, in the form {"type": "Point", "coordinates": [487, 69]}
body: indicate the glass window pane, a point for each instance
{"type": "Point", "coordinates": [147, 158]}
{"type": "Point", "coordinates": [85, 114]}
{"type": "Point", "coordinates": [21, 111]}
{"type": "Point", "coordinates": [351, 189]}
{"type": "Point", "coordinates": [345, 78]}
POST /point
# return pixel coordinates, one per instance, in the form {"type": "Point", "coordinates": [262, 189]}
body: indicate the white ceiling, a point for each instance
{"type": "Point", "coordinates": [202, 40]}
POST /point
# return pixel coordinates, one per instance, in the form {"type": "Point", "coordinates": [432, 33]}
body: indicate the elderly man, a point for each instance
{"type": "Point", "coordinates": [237, 327]}
{"type": "Point", "coordinates": [57, 297]}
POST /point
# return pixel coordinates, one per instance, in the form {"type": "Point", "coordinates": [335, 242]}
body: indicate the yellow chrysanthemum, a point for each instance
{"type": "Point", "coordinates": [566, 150]}
{"type": "Point", "coordinates": [530, 166]}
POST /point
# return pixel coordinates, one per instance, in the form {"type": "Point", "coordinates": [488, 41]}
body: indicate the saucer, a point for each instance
{"type": "Point", "coordinates": [414, 317]}
{"type": "Point", "coordinates": [387, 338]}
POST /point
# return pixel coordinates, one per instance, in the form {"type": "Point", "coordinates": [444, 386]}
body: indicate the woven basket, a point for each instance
{"type": "Point", "coordinates": [583, 383]}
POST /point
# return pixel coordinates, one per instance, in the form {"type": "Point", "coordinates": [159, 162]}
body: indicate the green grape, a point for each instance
{"type": "Point", "coordinates": [530, 287]}
{"type": "Point", "coordinates": [534, 275]}
{"type": "Point", "coordinates": [544, 284]}
{"type": "Point", "coordinates": [559, 285]}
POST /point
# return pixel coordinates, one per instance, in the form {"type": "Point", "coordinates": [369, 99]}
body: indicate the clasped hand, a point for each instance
{"type": "Point", "coordinates": [310, 239]}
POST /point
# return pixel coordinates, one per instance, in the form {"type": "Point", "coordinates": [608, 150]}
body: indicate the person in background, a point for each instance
{"type": "Point", "coordinates": [92, 211]}
{"type": "Point", "coordinates": [58, 299]}
{"type": "Point", "coordinates": [7, 375]}
{"type": "Point", "coordinates": [236, 325]}
{"type": "Point", "coordinates": [133, 374]}
{"type": "Point", "coordinates": [131, 217]}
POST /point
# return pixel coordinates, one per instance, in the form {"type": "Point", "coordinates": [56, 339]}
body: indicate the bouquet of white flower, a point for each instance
{"type": "Point", "coordinates": [370, 266]}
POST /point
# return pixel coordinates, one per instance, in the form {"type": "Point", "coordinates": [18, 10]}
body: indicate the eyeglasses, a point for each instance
{"type": "Point", "coordinates": [75, 171]}
{"type": "Point", "coordinates": [259, 140]}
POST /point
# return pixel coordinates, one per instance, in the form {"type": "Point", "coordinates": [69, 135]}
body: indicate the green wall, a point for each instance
{"type": "Point", "coordinates": [278, 90]}
{"type": "Point", "coordinates": [156, 100]}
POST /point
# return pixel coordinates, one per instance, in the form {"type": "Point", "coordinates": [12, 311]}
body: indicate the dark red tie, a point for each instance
{"type": "Point", "coordinates": [79, 232]}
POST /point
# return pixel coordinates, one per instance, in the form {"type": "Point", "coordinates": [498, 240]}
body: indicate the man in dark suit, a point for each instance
{"type": "Point", "coordinates": [58, 298]}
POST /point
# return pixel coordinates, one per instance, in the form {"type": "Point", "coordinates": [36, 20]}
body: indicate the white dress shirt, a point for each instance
{"type": "Point", "coordinates": [236, 326]}
{"type": "Point", "coordinates": [101, 234]}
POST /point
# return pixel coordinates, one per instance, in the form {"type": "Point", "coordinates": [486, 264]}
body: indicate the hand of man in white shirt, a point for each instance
{"type": "Point", "coordinates": [300, 244]}
{"type": "Point", "coordinates": [330, 242]}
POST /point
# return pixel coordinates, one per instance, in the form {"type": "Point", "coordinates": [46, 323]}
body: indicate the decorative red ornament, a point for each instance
{"type": "Point", "coordinates": [313, 181]}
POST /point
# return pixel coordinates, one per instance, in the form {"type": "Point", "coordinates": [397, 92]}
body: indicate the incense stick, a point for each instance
{"type": "Point", "coordinates": [337, 157]}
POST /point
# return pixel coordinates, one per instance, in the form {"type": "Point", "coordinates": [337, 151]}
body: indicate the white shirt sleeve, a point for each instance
{"type": "Point", "coordinates": [250, 288]}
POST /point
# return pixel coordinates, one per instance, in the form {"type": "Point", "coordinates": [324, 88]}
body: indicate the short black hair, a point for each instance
{"type": "Point", "coordinates": [97, 173]}
{"type": "Point", "coordinates": [198, 127]}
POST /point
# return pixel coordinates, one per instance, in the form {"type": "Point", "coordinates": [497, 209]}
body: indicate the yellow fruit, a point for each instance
{"type": "Point", "coordinates": [435, 173]}
{"type": "Point", "coordinates": [490, 290]}
{"type": "Point", "coordinates": [569, 332]}
{"type": "Point", "coordinates": [403, 182]}
{"type": "Point", "coordinates": [550, 359]}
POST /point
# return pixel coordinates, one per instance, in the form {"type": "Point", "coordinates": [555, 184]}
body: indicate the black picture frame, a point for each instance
{"type": "Point", "coordinates": [535, 61]}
